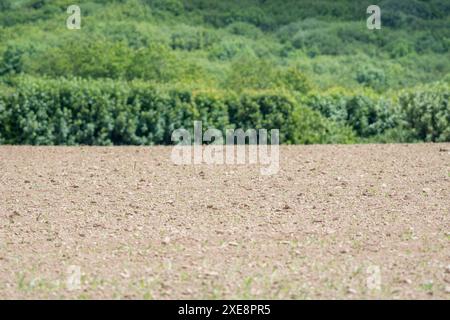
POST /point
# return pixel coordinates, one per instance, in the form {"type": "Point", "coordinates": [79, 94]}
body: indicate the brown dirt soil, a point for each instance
{"type": "Point", "coordinates": [138, 226]}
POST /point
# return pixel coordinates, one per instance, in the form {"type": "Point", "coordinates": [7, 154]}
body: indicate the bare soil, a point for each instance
{"type": "Point", "coordinates": [359, 221]}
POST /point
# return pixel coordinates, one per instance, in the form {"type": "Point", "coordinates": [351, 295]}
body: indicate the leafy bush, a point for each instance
{"type": "Point", "coordinates": [294, 80]}
{"type": "Point", "coordinates": [190, 39]}
{"type": "Point", "coordinates": [418, 114]}
{"type": "Point", "coordinates": [81, 59]}
{"type": "Point", "coordinates": [227, 49]}
{"type": "Point", "coordinates": [182, 55]}
{"type": "Point", "coordinates": [175, 7]}
{"type": "Point", "coordinates": [244, 29]}
{"type": "Point", "coordinates": [399, 48]}
{"type": "Point", "coordinates": [285, 32]}
{"type": "Point", "coordinates": [365, 113]}
{"type": "Point", "coordinates": [248, 72]}
{"type": "Point", "coordinates": [12, 61]}
{"type": "Point", "coordinates": [318, 42]}
{"type": "Point", "coordinates": [369, 117]}
{"type": "Point", "coordinates": [425, 112]}
{"type": "Point", "coordinates": [122, 32]}
{"type": "Point", "coordinates": [5, 4]}
{"type": "Point", "coordinates": [155, 63]}
{"type": "Point", "coordinates": [43, 111]}
{"type": "Point", "coordinates": [371, 77]}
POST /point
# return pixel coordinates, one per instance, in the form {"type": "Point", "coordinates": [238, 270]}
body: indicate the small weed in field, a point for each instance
{"type": "Point", "coordinates": [330, 285]}
{"type": "Point", "coordinates": [427, 286]}
{"type": "Point", "coordinates": [357, 245]}
{"type": "Point", "coordinates": [370, 192]}
{"type": "Point", "coordinates": [216, 292]}
{"type": "Point", "coordinates": [147, 296]}
{"type": "Point", "coordinates": [184, 276]}
{"type": "Point", "coordinates": [285, 290]}
{"type": "Point", "coordinates": [36, 284]}
{"type": "Point", "coordinates": [356, 272]}
{"type": "Point", "coordinates": [408, 235]}
{"type": "Point", "coordinates": [300, 294]}
{"type": "Point", "coordinates": [21, 282]}
{"type": "Point", "coordinates": [246, 288]}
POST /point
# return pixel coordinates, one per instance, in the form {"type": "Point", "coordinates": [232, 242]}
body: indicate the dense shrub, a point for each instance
{"type": "Point", "coordinates": [369, 117]}
{"type": "Point", "coordinates": [12, 61]}
{"type": "Point", "coordinates": [229, 48]}
{"type": "Point", "coordinates": [210, 34]}
{"type": "Point", "coordinates": [425, 112]}
{"type": "Point", "coordinates": [245, 29]}
{"type": "Point", "coordinates": [294, 80]}
{"type": "Point", "coordinates": [5, 4]}
{"type": "Point", "coordinates": [175, 7]}
{"type": "Point", "coordinates": [79, 57]}
{"type": "Point", "coordinates": [399, 48]}
{"type": "Point", "coordinates": [248, 72]}
{"type": "Point", "coordinates": [256, 62]}
{"type": "Point", "coordinates": [318, 42]}
{"type": "Point", "coordinates": [371, 77]}
{"type": "Point", "coordinates": [155, 63]}
{"type": "Point", "coordinates": [367, 114]}
{"type": "Point", "coordinates": [42, 111]}
{"type": "Point", "coordinates": [122, 32]}
{"type": "Point", "coordinates": [418, 114]}
{"type": "Point", "coordinates": [189, 39]}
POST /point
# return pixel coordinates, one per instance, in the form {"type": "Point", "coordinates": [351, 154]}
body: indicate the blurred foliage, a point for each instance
{"type": "Point", "coordinates": [344, 82]}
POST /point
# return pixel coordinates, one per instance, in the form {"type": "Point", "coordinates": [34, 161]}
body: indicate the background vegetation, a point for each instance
{"type": "Point", "coordinates": [138, 69]}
